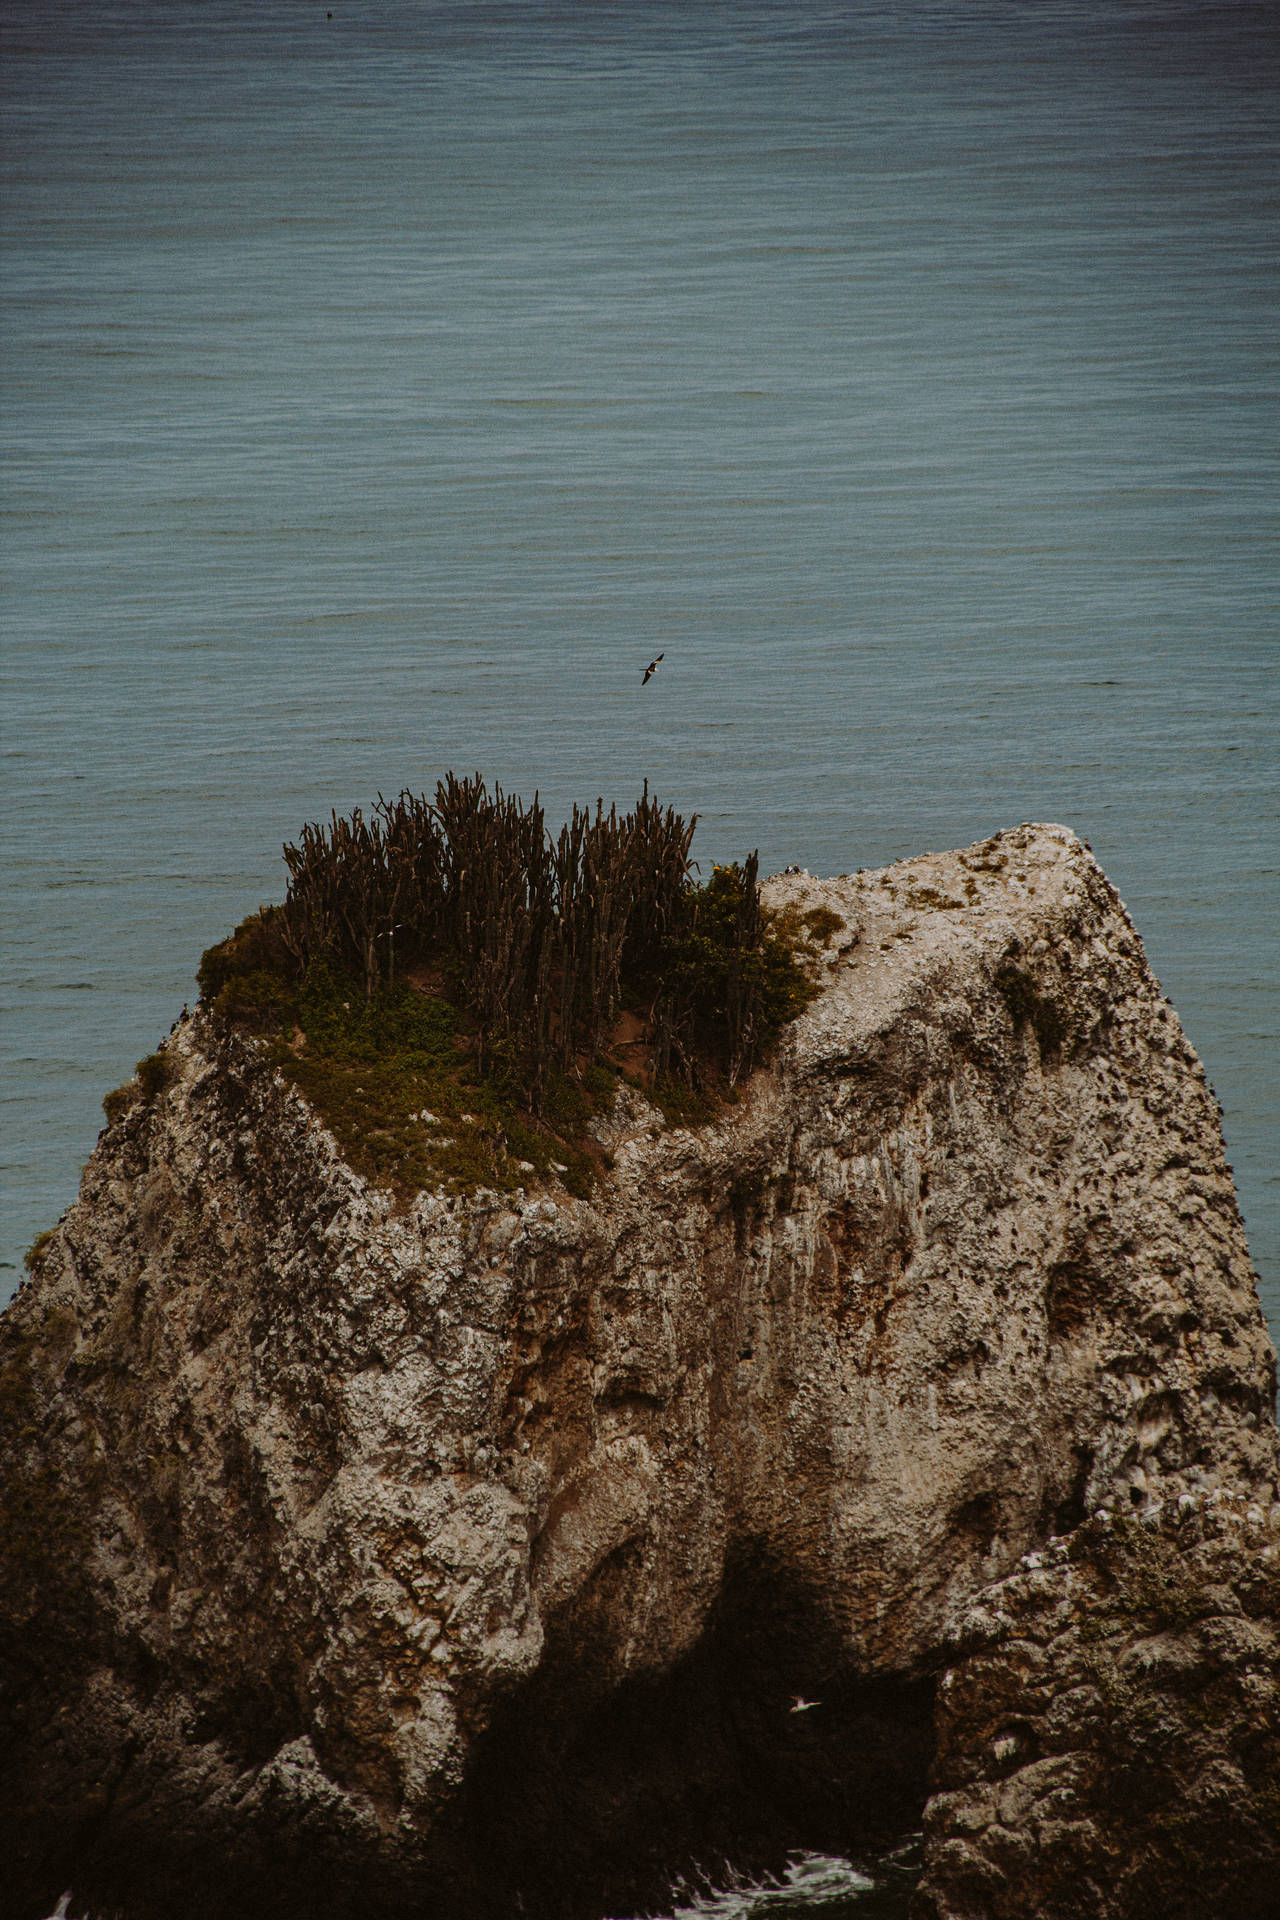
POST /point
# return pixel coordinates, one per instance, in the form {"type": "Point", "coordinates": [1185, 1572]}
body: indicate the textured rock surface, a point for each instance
{"type": "Point", "coordinates": [1110, 1734]}
{"type": "Point", "coordinates": [469, 1555]}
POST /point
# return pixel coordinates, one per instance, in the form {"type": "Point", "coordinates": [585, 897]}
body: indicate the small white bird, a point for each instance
{"type": "Point", "coordinates": [800, 1705]}
{"type": "Point", "coordinates": [650, 670]}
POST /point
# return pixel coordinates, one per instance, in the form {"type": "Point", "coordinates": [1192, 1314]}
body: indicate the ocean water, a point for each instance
{"type": "Point", "coordinates": [386, 383]}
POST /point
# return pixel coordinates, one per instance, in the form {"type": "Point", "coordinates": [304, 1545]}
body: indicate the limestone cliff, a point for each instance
{"type": "Point", "coordinates": [462, 1559]}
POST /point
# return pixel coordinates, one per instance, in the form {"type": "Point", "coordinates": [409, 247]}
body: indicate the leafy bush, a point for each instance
{"type": "Point", "coordinates": [155, 1073]}
{"type": "Point", "coordinates": [118, 1102]}
{"type": "Point", "coordinates": [728, 985]}
{"type": "Point", "coordinates": [152, 1075]}
{"type": "Point", "coordinates": [822, 924]}
{"type": "Point", "coordinates": [39, 1246]}
{"type": "Point", "coordinates": [257, 946]}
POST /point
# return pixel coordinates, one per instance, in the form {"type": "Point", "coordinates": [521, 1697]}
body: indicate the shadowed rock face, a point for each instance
{"type": "Point", "coordinates": [466, 1559]}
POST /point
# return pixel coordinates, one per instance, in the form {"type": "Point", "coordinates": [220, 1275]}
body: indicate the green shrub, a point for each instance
{"type": "Point", "coordinates": [822, 924]}
{"type": "Point", "coordinates": [256, 949]}
{"type": "Point", "coordinates": [155, 1073]}
{"type": "Point", "coordinates": [35, 1252]}
{"type": "Point", "coordinates": [118, 1102]}
{"type": "Point", "coordinates": [730, 983]}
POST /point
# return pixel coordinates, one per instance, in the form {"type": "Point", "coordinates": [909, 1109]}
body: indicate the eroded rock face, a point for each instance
{"type": "Point", "coordinates": [471, 1555]}
{"type": "Point", "coordinates": [1109, 1738]}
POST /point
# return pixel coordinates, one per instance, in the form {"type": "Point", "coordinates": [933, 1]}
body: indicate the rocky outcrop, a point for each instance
{"type": "Point", "coordinates": [469, 1554]}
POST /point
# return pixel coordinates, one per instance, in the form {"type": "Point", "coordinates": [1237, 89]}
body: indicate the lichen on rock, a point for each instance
{"type": "Point", "coordinates": [470, 1551]}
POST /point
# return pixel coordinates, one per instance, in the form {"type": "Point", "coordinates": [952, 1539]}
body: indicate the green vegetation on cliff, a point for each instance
{"type": "Point", "coordinates": [457, 992]}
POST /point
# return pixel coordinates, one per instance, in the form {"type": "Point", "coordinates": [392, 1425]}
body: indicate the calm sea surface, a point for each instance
{"type": "Point", "coordinates": [382, 390]}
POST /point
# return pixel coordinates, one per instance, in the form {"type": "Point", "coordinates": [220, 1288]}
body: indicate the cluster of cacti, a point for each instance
{"type": "Point", "coordinates": [539, 938]}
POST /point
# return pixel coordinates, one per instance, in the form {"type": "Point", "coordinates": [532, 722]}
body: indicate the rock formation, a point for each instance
{"type": "Point", "coordinates": [464, 1558]}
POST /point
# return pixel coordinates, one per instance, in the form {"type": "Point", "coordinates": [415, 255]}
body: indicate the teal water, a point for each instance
{"type": "Point", "coordinates": [382, 391]}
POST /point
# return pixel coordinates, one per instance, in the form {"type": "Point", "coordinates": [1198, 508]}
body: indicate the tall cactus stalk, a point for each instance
{"type": "Point", "coordinates": [539, 935]}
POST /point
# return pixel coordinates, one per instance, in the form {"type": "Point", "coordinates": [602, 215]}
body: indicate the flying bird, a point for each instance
{"type": "Point", "coordinates": [650, 670]}
{"type": "Point", "coordinates": [800, 1705]}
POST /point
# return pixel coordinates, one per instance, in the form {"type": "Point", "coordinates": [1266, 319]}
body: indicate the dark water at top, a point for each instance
{"type": "Point", "coordinates": [382, 391]}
